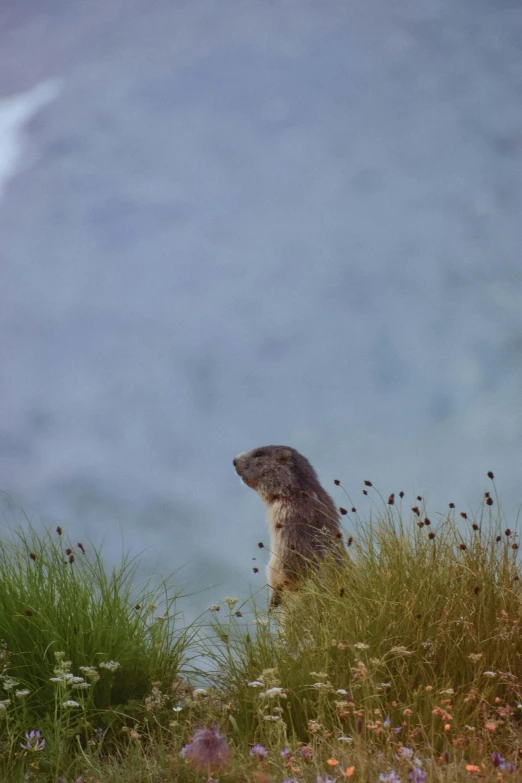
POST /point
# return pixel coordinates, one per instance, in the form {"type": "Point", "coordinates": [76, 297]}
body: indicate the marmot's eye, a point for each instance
{"type": "Point", "coordinates": [258, 454]}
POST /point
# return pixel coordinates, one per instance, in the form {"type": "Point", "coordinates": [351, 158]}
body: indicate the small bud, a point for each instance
{"type": "Point", "coordinates": [255, 570]}
{"type": "Point", "coordinates": [514, 546]}
{"type": "Point", "coordinates": [59, 530]}
{"type": "Point", "coordinates": [420, 523]}
{"type": "Point", "coordinates": [354, 510]}
{"type": "Point", "coordinates": [337, 482]}
{"type": "Point", "coordinates": [498, 538]}
{"type": "Point", "coordinates": [343, 511]}
{"type": "Point", "coordinates": [490, 474]}
{"type": "Point", "coordinates": [401, 494]}
{"type": "Point", "coordinates": [32, 555]}
{"type": "Point", "coordinates": [463, 515]}
{"type": "Point", "coordinates": [489, 501]}
{"type": "Point", "coordinates": [427, 521]}
{"type": "Point", "coordinates": [338, 534]}
{"type": "Point", "coordinates": [68, 551]}
{"type": "Point", "coordinates": [475, 526]}
{"type": "Point", "coordinates": [137, 607]}
{"type": "Point", "coordinates": [71, 559]}
{"type": "Point", "coordinates": [350, 541]}
{"type": "Point", "coordinates": [368, 483]}
{"type": "Point", "coordinates": [507, 532]}
{"type": "Point", "coordinates": [463, 547]}
{"type": "Point", "coordinates": [415, 510]}
{"type": "Point", "coordinates": [419, 498]}
{"type": "Point", "coordinates": [364, 492]}
{"type": "Point", "coordinates": [260, 544]}
{"type": "Point", "coordinates": [431, 535]}
{"type": "Point", "coordinates": [391, 499]}
{"type": "Point", "coordinates": [239, 614]}
{"type": "Point", "coordinates": [451, 505]}
{"type": "Point", "coordinates": [80, 546]}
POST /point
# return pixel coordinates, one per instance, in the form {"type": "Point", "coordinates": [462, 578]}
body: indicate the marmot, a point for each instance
{"type": "Point", "coordinates": [303, 519]}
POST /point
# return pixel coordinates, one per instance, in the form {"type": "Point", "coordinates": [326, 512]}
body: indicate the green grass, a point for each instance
{"type": "Point", "coordinates": [414, 642]}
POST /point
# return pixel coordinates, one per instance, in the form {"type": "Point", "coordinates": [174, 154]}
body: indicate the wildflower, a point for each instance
{"type": "Point", "coordinates": [3, 704]}
{"type": "Point", "coordinates": [490, 726]}
{"type": "Point", "coordinates": [290, 780]}
{"type": "Point", "coordinates": [348, 772]}
{"type": "Point", "coordinates": [33, 741]}
{"type": "Point", "coordinates": [111, 666]}
{"type": "Point", "coordinates": [497, 760]}
{"type": "Point", "coordinates": [406, 753]}
{"type": "Point", "coordinates": [475, 657]}
{"type": "Point", "coordinates": [208, 748]}
{"type": "Point", "coordinates": [489, 674]}
{"type": "Point", "coordinates": [389, 777]}
{"type": "Point", "coordinates": [258, 752]}
{"type": "Point", "coordinates": [322, 686]}
{"type": "Point", "coordinates": [177, 708]}
{"type": "Point", "coordinates": [361, 646]}
{"type": "Point", "coordinates": [387, 722]}
{"type": "Point", "coordinates": [273, 692]}
{"type": "Point", "coordinates": [306, 752]}
{"type": "Point", "coordinates": [21, 694]}
{"type": "Point", "coordinates": [472, 768]}
{"type": "Point", "coordinates": [382, 685]}
{"type": "Point", "coordinates": [400, 650]}
{"type": "Point", "coordinates": [416, 775]}
{"type": "Point", "coordinates": [271, 717]}
{"type": "Point", "coordinates": [256, 684]}
{"type": "Point", "coordinates": [287, 754]}
{"type": "Point", "coordinates": [199, 693]}
{"type": "Point", "coordinates": [70, 703]}
{"type": "Point", "coordinates": [326, 779]}
{"type": "Point", "coordinates": [342, 692]}
{"type": "Point", "coordinates": [332, 762]}
{"type": "Point", "coordinates": [9, 683]}
{"type": "Point", "coordinates": [231, 602]}
{"type": "Point", "coordinates": [344, 738]}
{"type": "Point", "coordinates": [214, 608]}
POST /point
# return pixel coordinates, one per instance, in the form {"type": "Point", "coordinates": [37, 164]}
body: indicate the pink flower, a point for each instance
{"type": "Point", "coordinates": [208, 749]}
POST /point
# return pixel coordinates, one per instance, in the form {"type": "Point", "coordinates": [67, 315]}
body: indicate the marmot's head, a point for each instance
{"type": "Point", "coordinates": [274, 471]}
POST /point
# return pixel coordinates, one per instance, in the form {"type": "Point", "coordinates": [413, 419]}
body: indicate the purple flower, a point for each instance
{"type": "Point", "coordinates": [406, 753]}
{"type": "Point", "coordinates": [326, 779]}
{"type": "Point", "coordinates": [290, 780]}
{"type": "Point", "coordinates": [417, 775]}
{"type": "Point", "coordinates": [387, 722]}
{"type": "Point", "coordinates": [258, 752]}
{"type": "Point", "coordinates": [389, 777]}
{"type": "Point", "coordinates": [498, 760]}
{"type": "Point", "coordinates": [510, 767]}
{"type": "Point", "coordinates": [286, 754]}
{"type": "Point", "coordinates": [207, 749]}
{"type": "Point", "coordinates": [306, 752]}
{"type": "Point", "coordinates": [34, 741]}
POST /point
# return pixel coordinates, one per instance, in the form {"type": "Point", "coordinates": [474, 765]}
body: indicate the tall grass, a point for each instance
{"type": "Point", "coordinates": [406, 657]}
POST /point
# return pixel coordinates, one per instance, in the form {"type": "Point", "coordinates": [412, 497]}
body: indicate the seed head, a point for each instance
{"type": "Point", "coordinates": [475, 526]}
{"type": "Point", "coordinates": [337, 482]}
{"type": "Point", "coordinates": [342, 511]}
{"type": "Point", "coordinates": [368, 483]}
{"type": "Point", "coordinates": [431, 535]}
{"type": "Point", "coordinates": [419, 498]}
{"type": "Point", "coordinates": [364, 492]}
{"type": "Point", "coordinates": [451, 505]}
{"type": "Point", "coordinates": [416, 510]}
{"type": "Point", "coordinates": [498, 538]}
{"type": "Point", "coordinates": [350, 541]}
{"type": "Point", "coordinates": [490, 474]}
{"type": "Point", "coordinates": [401, 494]}
{"type": "Point", "coordinates": [59, 530]}
{"type": "Point", "coordinates": [255, 570]}
{"type": "Point", "coordinates": [507, 532]}
{"type": "Point", "coordinates": [427, 521]}
{"type": "Point", "coordinates": [463, 547]}
{"type": "Point", "coordinates": [463, 515]}
{"type": "Point", "coordinates": [391, 499]}
{"type": "Point", "coordinates": [354, 510]}
{"type": "Point", "coordinates": [489, 501]}
{"type": "Point", "coordinates": [260, 545]}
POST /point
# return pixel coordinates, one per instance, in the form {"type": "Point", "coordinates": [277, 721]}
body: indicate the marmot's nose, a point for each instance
{"type": "Point", "coordinates": [234, 462]}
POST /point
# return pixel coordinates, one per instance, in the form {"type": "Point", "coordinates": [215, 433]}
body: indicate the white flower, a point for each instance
{"type": "Point", "coordinates": [256, 684]}
{"type": "Point", "coordinates": [214, 608]}
{"type": "Point", "coordinates": [400, 650]}
{"type": "Point", "coordinates": [344, 738]}
{"type": "Point", "coordinates": [322, 686]}
{"type": "Point", "coordinates": [490, 674]}
{"type": "Point", "coordinates": [111, 666]}
{"type": "Point", "coordinates": [56, 679]}
{"type": "Point", "coordinates": [319, 675]}
{"type": "Point", "coordinates": [342, 692]}
{"type": "Point", "coordinates": [70, 703]}
{"type": "Point", "coordinates": [160, 618]}
{"type": "Point", "coordinates": [272, 717]}
{"type": "Point", "coordinates": [361, 646]}
{"type": "Point", "coordinates": [231, 602]}
{"type": "Point", "coordinates": [449, 691]}
{"type": "Point", "coordinates": [81, 685]}
{"type": "Point", "coordinates": [9, 682]}
{"type": "Point", "coordinates": [273, 692]}
{"type": "Point", "coordinates": [199, 692]}
{"type": "Point", "coordinates": [384, 685]}
{"type": "Point", "coordinates": [3, 704]}
{"type": "Point", "coordinates": [21, 694]}
{"type": "Point", "coordinates": [75, 680]}
{"type": "Point", "coordinates": [178, 708]}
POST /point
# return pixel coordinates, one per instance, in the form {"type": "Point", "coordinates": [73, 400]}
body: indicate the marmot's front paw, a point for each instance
{"type": "Point", "coordinates": [275, 598]}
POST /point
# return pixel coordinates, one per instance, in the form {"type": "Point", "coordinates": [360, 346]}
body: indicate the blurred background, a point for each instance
{"type": "Point", "coordinates": [230, 223]}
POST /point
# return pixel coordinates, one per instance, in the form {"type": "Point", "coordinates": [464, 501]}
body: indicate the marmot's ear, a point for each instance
{"type": "Point", "coordinates": [285, 455]}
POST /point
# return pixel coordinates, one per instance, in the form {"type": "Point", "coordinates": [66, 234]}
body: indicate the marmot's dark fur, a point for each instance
{"type": "Point", "coordinates": [303, 519]}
